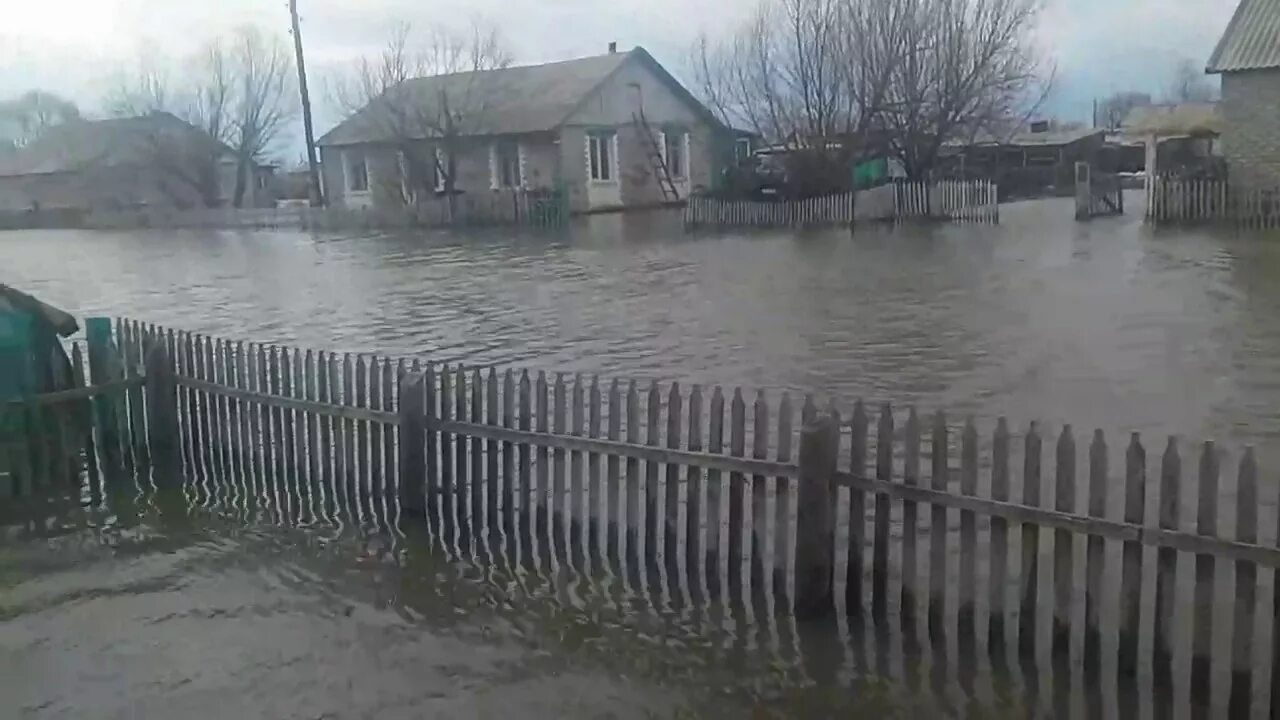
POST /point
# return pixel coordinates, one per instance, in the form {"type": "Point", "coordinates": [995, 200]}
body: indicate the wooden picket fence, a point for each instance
{"type": "Point", "coordinates": [837, 210]}
{"type": "Point", "coordinates": [954, 200]}
{"type": "Point", "coordinates": [695, 499]}
{"type": "Point", "coordinates": [532, 208]}
{"type": "Point", "coordinates": [951, 200]}
{"type": "Point", "coordinates": [1176, 201]}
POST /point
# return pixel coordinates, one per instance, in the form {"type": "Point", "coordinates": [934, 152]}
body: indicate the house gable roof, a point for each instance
{"type": "Point", "coordinates": [1251, 40]}
{"type": "Point", "coordinates": [516, 100]}
{"type": "Point", "coordinates": [80, 144]}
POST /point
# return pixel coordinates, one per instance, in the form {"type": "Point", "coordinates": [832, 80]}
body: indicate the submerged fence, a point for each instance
{"type": "Point", "coordinates": [1172, 201]}
{"type": "Point", "coordinates": [969, 546]}
{"type": "Point", "coordinates": [956, 201]}
{"type": "Point", "coordinates": [534, 208]}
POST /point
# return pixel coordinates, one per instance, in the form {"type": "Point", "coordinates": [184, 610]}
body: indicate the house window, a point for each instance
{"type": "Point", "coordinates": [357, 173]}
{"type": "Point", "coordinates": [505, 164]}
{"type": "Point", "coordinates": [600, 152]}
{"type": "Point", "coordinates": [673, 147]}
{"type": "Point", "coordinates": [742, 149]}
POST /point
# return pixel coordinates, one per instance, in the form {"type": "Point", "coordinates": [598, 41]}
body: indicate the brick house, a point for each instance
{"type": "Point", "coordinates": [570, 124]}
{"type": "Point", "coordinates": [1248, 58]}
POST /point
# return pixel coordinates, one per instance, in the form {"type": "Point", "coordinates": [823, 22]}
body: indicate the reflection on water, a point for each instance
{"type": "Point", "coordinates": [207, 601]}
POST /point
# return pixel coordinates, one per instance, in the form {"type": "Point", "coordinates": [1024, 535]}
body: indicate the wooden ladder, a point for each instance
{"type": "Point", "coordinates": [656, 159]}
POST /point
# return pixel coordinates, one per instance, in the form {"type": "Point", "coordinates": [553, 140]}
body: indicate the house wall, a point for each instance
{"type": "Point", "coordinates": [106, 187]}
{"type": "Point", "coordinates": [472, 169]}
{"type": "Point", "coordinates": [612, 107]}
{"type": "Point", "coordinates": [1251, 127]}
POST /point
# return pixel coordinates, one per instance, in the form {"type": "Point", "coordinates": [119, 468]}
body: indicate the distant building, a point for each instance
{"type": "Point", "coordinates": [146, 161]}
{"type": "Point", "coordinates": [1036, 160]}
{"type": "Point", "coordinates": [1248, 58]}
{"type": "Point", "coordinates": [568, 124]}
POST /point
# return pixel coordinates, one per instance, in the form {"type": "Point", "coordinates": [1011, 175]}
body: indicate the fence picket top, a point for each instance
{"type": "Point", "coordinates": [809, 410]}
{"type": "Point", "coordinates": [1207, 507]}
{"type": "Point", "coordinates": [939, 451]}
{"type": "Point", "coordinates": [1135, 480]}
{"type": "Point", "coordinates": [1098, 475]}
{"type": "Point", "coordinates": [1031, 466]}
{"type": "Point", "coordinates": [1170, 473]}
{"type": "Point", "coordinates": [1000, 461]}
{"type": "Point", "coordinates": [1065, 477]}
{"type": "Point", "coordinates": [911, 448]}
{"type": "Point", "coordinates": [858, 445]}
{"type": "Point", "coordinates": [969, 458]}
{"type": "Point", "coordinates": [1247, 498]}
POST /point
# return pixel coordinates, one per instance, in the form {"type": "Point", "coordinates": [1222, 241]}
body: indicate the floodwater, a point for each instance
{"type": "Point", "coordinates": [148, 607]}
{"type": "Point", "coordinates": [1103, 324]}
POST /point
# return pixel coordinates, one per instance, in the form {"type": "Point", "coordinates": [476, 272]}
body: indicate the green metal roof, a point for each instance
{"type": "Point", "coordinates": [1252, 39]}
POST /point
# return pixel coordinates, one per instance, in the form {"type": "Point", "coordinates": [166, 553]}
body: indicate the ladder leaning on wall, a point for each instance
{"type": "Point", "coordinates": [657, 160]}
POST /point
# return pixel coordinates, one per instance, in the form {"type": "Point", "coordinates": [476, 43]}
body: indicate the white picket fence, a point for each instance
{"type": "Point", "coordinates": [1177, 201]}
{"type": "Point", "coordinates": [955, 201]}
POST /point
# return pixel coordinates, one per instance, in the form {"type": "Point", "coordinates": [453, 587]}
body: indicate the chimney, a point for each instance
{"type": "Point", "coordinates": [613, 48]}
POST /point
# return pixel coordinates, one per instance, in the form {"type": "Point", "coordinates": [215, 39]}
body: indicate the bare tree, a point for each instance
{"type": "Point", "coordinates": [28, 116]}
{"type": "Point", "coordinates": [264, 99]}
{"type": "Point", "coordinates": [426, 121]}
{"type": "Point", "coordinates": [1189, 83]}
{"type": "Point", "coordinates": [237, 90]}
{"type": "Point", "coordinates": [918, 72]}
{"type": "Point", "coordinates": [1113, 110]}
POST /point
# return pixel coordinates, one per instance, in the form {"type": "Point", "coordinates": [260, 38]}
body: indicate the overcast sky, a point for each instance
{"type": "Point", "coordinates": [74, 46]}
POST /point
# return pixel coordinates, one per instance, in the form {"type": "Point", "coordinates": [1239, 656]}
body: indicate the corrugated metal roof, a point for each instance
{"type": "Point", "coordinates": [1251, 40]}
{"type": "Point", "coordinates": [531, 98]}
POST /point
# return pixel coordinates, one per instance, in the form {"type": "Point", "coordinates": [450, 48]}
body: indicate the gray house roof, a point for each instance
{"type": "Point", "coordinates": [1251, 40]}
{"type": "Point", "coordinates": [510, 101]}
{"type": "Point", "coordinates": [74, 146]}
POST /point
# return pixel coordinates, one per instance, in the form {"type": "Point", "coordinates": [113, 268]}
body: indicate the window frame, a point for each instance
{"type": "Point", "coordinates": [606, 161]}
{"type": "Point", "coordinates": [500, 163]}
{"type": "Point", "coordinates": [681, 145]}
{"type": "Point", "coordinates": [348, 170]}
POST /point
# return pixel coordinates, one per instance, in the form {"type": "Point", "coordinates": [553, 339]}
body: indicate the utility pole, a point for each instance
{"type": "Point", "coordinates": [313, 171]}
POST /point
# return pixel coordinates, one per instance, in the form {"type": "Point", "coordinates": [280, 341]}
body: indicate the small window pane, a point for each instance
{"type": "Point", "coordinates": [357, 174]}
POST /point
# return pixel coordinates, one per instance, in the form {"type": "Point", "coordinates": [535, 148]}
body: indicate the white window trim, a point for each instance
{"type": "Point", "coordinates": [613, 157]}
{"type": "Point", "coordinates": [441, 168]}
{"type": "Point", "coordinates": [406, 187]}
{"type": "Point", "coordinates": [495, 169]}
{"type": "Point", "coordinates": [524, 175]}
{"type": "Point", "coordinates": [662, 145]}
{"type": "Point", "coordinates": [688, 158]}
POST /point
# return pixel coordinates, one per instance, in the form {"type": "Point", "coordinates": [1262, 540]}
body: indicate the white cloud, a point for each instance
{"type": "Point", "coordinates": [73, 46]}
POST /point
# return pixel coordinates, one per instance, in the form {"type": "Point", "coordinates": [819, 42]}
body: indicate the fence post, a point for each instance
{"type": "Point", "coordinates": [413, 456]}
{"type": "Point", "coordinates": [815, 527]}
{"type": "Point", "coordinates": [161, 410]}
{"type": "Point", "coordinates": [104, 367]}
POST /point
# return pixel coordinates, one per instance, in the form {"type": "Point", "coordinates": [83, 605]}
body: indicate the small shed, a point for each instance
{"type": "Point", "coordinates": [32, 359]}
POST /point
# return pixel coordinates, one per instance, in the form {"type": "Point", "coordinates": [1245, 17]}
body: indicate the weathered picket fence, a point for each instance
{"type": "Point", "coordinates": [833, 210]}
{"type": "Point", "coordinates": [1174, 201]}
{"type": "Point", "coordinates": [952, 200]}
{"type": "Point", "coordinates": [534, 208]}
{"type": "Point", "coordinates": [696, 499]}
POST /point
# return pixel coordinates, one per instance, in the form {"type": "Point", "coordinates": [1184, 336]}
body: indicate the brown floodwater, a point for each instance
{"type": "Point", "coordinates": [164, 604]}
